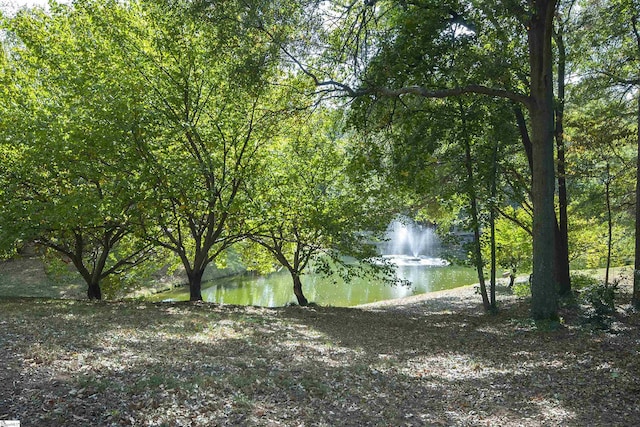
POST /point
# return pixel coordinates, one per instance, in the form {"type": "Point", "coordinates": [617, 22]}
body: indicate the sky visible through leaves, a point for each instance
{"type": "Point", "coordinates": [11, 6]}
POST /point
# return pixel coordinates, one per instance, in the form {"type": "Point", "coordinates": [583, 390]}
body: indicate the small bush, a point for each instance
{"type": "Point", "coordinates": [600, 298]}
{"type": "Point", "coordinates": [582, 281]}
{"type": "Point", "coordinates": [522, 289]}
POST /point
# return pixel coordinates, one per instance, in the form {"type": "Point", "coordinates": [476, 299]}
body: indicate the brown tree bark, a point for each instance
{"type": "Point", "coordinates": [562, 233]}
{"type": "Point", "coordinates": [91, 278]}
{"type": "Point", "coordinates": [607, 195]}
{"type": "Point", "coordinates": [492, 222]}
{"type": "Point", "coordinates": [561, 247]}
{"type": "Point", "coordinates": [94, 291]}
{"type": "Point", "coordinates": [635, 298]}
{"type": "Point", "coordinates": [544, 289]}
{"type": "Point", "coordinates": [475, 222]}
{"type": "Point", "coordinates": [297, 289]}
{"type": "Point", "coordinates": [195, 284]}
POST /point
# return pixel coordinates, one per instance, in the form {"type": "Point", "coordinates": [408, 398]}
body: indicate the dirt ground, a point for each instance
{"type": "Point", "coordinates": [429, 360]}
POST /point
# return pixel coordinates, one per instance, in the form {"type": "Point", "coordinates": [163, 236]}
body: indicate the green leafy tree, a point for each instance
{"type": "Point", "coordinates": [398, 50]}
{"type": "Point", "coordinates": [69, 180]}
{"type": "Point", "coordinates": [212, 87]}
{"type": "Point", "coordinates": [602, 162]}
{"type": "Point", "coordinates": [513, 242]}
{"type": "Point", "coordinates": [609, 40]}
{"type": "Point", "coordinates": [309, 206]}
{"type": "Point", "coordinates": [458, 147]}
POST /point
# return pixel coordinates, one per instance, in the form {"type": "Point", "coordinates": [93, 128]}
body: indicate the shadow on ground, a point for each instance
{"type": "Point", "coordinates": [79, 363]}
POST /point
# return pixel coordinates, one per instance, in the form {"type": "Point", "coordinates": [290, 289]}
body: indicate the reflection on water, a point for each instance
{"type": "Point", "coordinates": [277, 289]}
{"type": "Point", "coordinates": [414, 260]}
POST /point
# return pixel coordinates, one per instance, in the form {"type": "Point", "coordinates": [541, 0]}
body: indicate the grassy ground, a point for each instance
{"type": "Point", "coordinates": [434, 360]}
{"type": "Point", "coordinates": [26, 277]}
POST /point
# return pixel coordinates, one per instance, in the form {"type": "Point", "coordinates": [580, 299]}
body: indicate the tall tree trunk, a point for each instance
{"type": "Point", "coordinates": [561, 248]}
{"type": "Point", "coordinates": [475, 222]}
{"type": "Point", "coordinates": [195, 284]}
{"type": "Point", "coordinates": [492, 222]}
{"type": "Point", "coordinates": [492, 286]}
{"type": "Point", "coordinates": [635, 299]}
{"type": "Point", "coordinates": [544, 289]}
{"type": "Point", "coordinates": [297, 289]}
{"type": "Point", "coordinates": [477, 253]}
{"type": "Point", "coordinates": [607, 194]}
{"type": "Point", "coordinates": [562, 237]}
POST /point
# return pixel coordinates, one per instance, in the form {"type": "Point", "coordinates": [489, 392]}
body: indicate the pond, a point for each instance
{"type": "Point", "coordinates": [413, 247]}
{"type": "Point", "coordinates": [276, 289]}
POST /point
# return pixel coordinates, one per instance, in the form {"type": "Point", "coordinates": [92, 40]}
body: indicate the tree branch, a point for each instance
{"type": "Point", "coordinates": [408, 90]}
{"type": "Point", "coordinates": [442, 93]}
{"type": "Point", "coordinates": [515, 220]}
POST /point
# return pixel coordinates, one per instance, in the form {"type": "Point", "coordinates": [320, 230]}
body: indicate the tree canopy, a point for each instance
{"type": "Point", "coordinates": [191, 126]}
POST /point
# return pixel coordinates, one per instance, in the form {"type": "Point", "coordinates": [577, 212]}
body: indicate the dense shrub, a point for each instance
{"type": "Point", "coordinates": [522, 289]}
{"type": "Point", "coordinates": [581, 281]}
{"type": "Point", "coordinates": [600, 298]}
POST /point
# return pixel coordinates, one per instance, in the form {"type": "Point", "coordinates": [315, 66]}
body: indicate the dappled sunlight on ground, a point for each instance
{"type": "Point", "coordinates": [80, 363]}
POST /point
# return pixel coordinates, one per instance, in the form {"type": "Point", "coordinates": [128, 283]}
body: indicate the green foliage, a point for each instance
{"type": "Point", "coordinates": [69, 101]}
{"type": "Point", "coordinates": [513, 241]}
{"type": "Point", "coordinates": [594, 300]}
{"type": "Point", "coordinates": [580, 281]}
{"type": "Point", "coordinates": [522, 289]}
{"type": "Point", "coordinates": [310, 206]}
{"type": "Point", "coordinates": [153, 118]}
{"type": "Point", "coordinates": [171, 124]}
{"type": "Point", "coordinates": [58, 268]}
{"type": "Point", "coordinates": [601, 299]}
{"type": "Point", "coordinates": [602, 131]}
{"type": "Point", "coordinates": [178, 124]}
{"type": "Point", "coordinates": [597, 298]}
{"type": "Point", "coordinates": [601, 163]}
{"type": "Point", "coordinates": [605, 46]}
{"type": "Point", "coordinates": [217, 104]}
{"type": "Point", "coordinates": [255, 257]}
{"type": "Point", "coordinates": [112, 287]}
{"type": "Point", "coordinates": [549, 325]}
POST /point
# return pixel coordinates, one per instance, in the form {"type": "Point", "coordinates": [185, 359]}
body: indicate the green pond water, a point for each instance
{"type": "Point", "coordinates": [276, 289]}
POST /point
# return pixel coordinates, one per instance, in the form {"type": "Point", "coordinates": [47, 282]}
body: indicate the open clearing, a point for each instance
{"type": "Point", "coordinates": [434, 360]}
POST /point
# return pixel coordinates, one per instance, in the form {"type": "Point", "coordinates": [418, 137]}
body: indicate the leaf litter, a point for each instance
{"type": "Point", "coordinates": [436, 360]}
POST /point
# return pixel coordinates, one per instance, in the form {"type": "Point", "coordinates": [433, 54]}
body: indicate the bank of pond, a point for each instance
{"type": "Point", "coordinates": [275, 289]}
